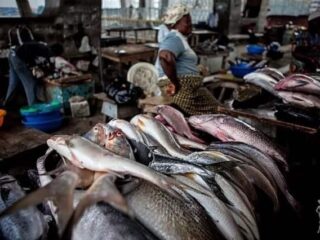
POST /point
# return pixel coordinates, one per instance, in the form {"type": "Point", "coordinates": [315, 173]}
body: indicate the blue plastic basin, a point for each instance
{"type": "Point", "coordinates": [239, 70]}
{"type": "Point", "coordinates": [45, 126]}
{"type": "Point", "coordinates": [255, 49]}
{"type": "Point", "coordinates": [44, 116]}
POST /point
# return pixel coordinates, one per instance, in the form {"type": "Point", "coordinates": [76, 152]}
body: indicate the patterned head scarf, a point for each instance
{"type": "Point", "coordinates": [175, 13]}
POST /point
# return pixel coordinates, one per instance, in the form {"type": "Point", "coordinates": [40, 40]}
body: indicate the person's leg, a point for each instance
{"type": "Point", "coordinates": [13, 80]}
{"type": "Point", "coordinates": [26, 77]}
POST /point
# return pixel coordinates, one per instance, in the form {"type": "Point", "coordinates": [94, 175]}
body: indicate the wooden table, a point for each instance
{"type": "Point", "coordinates": [197, 33]}
{"type": "Point", "coordinates": [266, 119]}
{"type": "Point", "coordinates": [128, 54]}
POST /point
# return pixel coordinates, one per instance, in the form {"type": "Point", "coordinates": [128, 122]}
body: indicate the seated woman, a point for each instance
{"type": "Point", "coordinates": [178, 63]}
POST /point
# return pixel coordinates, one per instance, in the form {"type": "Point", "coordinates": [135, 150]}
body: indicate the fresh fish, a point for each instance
{"type": "Point", "coordinates": [101, 221]}
{"type": "Point", "coordinates": [264, 163]}
{"type": "Point", "coordinates": [128, 129]}
{"type": "Point", "coordinates": [227, 128]}
{"type": "Point", "coordinates": [207, 157]}
{"type": "Point", "coordinates": [85, 154]}
{"type": "Point", "coordinates": [160, 133]}
{"type": "Point", "coordinates": [154, 144]}
{"type": "Point", "coordinates": [177, 121]}
{"type": "Point", "coordinates": [172, 166]}
{"type": "Point", "coordinates": [272, 72]}
{"type": "Point", "coordinates": [299, 83]}
{"type": "Point", "coordinates": [60, 189]}
{"type": "Point", "coordinates": [238, 202]}
{"type": "Point", "coordinates": [170, 218]}
{"type": "Point", "coordinates": [189, 144]}
{"type": "Point", "coordinates": [262, 80]}
{"type": "Point", "coordinates": [300, 99]}
{"type": "Point", "coordinates": [26, 224]}
{"type": "Point", "coordinates": [241, 221]}
{"type": "Point", "coordinates": [259, 180]}
{"type": "Point", "coordinates": [216, 210]}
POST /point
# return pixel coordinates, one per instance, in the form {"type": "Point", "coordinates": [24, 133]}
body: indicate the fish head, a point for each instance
{"type": "Point", "coordinates": [61, 144]}
{"type": "Point", "coordinates": [117, 143]}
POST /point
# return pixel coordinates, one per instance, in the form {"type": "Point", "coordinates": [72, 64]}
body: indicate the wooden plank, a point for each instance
{"type": "Point", "coordinates": [18, 139]}
{"type": "Point", "coordinates": [266, 119]}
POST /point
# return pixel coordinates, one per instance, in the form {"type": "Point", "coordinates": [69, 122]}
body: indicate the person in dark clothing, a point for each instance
{"type": "Point", "coordinates": [27, 58]}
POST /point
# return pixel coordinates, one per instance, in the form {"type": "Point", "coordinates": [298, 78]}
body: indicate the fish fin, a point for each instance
{"type": "Point", "coordinates": [56, 190]}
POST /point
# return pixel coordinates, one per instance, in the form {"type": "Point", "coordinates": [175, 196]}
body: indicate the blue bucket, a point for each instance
{"type": "Point", "coordinates": [45, 126]}
{"type": "Point", "coordinates": [254, 49]}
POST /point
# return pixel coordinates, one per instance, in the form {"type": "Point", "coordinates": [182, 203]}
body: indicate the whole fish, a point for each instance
{"type": "Point", "coordinates": [26, 224]}
{"type": "Point", "coordinates": [207, 157]}
{"type": "Point", "coordinates": [170, 218]}
{"type": "Point", "coordinates": [177, 121]}
{"type": "Point", "coordinates": [171, 166]}
{"type": "Point", "coordinates": [272, 72]}
{"type": "Point", "coordinates": [262, 80]}
{"type": "Point", "coordinates": [189, 144]}
{"type": "Point", "coordinates": [160, 133]}
{"type": "Point", "coordinates": [216, 210]}
{"type": "Point", "coordinates": [85, 154]}
{"type": "Point", "coordinates": [128, 129]}
{"type": "Point", "coordinates": [299, 83]}
{"type": "Point", "coordinates": [227, 128]}
{"type": "Point", "coordinates": [238, 202]}
{"type": "Point", "coordinates": [300, 99]}
{"type": "Point", "coordinates": [264, 163]}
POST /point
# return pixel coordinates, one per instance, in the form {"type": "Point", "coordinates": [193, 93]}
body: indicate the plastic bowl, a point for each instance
{"type": "Point", "coordinates": [36, 109]}
{"type": "Point", "coordinates": [2, 114]}
{"type": "Point", "coordinates": [44, 116]}
{"type": "Point", "coordinates": [45, 126]}
{"type": "Point", "coordinates": [255, 49]}
{"type": "Point", "coordinates": [240, 70]}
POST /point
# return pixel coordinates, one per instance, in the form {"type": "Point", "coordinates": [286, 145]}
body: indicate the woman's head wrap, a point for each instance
{"type": "Point", "coordinates": [175, 13]}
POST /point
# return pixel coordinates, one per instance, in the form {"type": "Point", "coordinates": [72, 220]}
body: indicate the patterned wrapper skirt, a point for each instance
{"type": "Point", "coordinates": [193, 98]}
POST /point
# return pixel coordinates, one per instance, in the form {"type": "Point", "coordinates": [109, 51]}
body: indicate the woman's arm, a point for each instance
{"type": "Point", "coordinates": [168, 63]}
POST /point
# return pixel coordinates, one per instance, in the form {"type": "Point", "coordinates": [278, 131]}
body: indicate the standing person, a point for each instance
{"type": "Point", "coordinates": [178, 63]}
{"type": "Point", "coordinates": [27, 58]}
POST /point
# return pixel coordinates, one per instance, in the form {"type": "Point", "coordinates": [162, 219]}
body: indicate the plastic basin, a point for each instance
{"type": "Point", "coordinates": [45, 126]}
{"type": "Point", "coordinates": [240, 70]}
{"type": "Point", "coordinates": [255, 49]}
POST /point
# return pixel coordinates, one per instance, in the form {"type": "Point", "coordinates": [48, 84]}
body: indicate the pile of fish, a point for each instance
{"type": "Point", "coordinates": [299, 90]}
{"type": "Point", "coordinates": [158, 177]}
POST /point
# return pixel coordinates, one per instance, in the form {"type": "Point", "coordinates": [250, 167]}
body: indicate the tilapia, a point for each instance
{"type": "Point", "coordinates": [300, 99]}
{"type": "Point", "coordinates": [85, 154]}
{"type": "Point", "coordinates": [263, 81]}
{"type": "Point", "coordinates": [177, 121]}
{"type": "Point", "coordinates": [170, 218]}
{"type": "Point", "coordinates": [299, 83]}
{"type": "Point", "coordinates": [26, 224]}
{"type": "Point", "coordinates": [160, 133]}
{"type": "Point", "coordinates": [227, 128]}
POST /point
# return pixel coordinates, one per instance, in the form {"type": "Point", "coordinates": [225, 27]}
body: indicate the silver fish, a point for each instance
{"type": "Point", "coordinates": [170, 166]}
{"type": "Point", "coordinates": [262, 80]}
{"type": "Point", "coordinates": [227, 128]}
{"type": "Point", "coordinates": [128, 129]}
{"type": "Point", "coordinates": [300, 99]}
{"type": "Point", "coordinates": [160, 133]}
{"type": "Point", "coordinates": [85, 154]}
{"type": "Point", "coordinates": [189, 144]}
{"type": "Point", "coordinates": [216, 210]}
{"type": "Point", "coordinates": [170, 218]}
{"type": "Point", "coordinates": [264, 163]}
{"type": "Point", "coordinates": [177, 121]}
{"type": "Point", "coordinates": [272, 72]}
{"type": "Point", "coordinates": [26, 224]}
